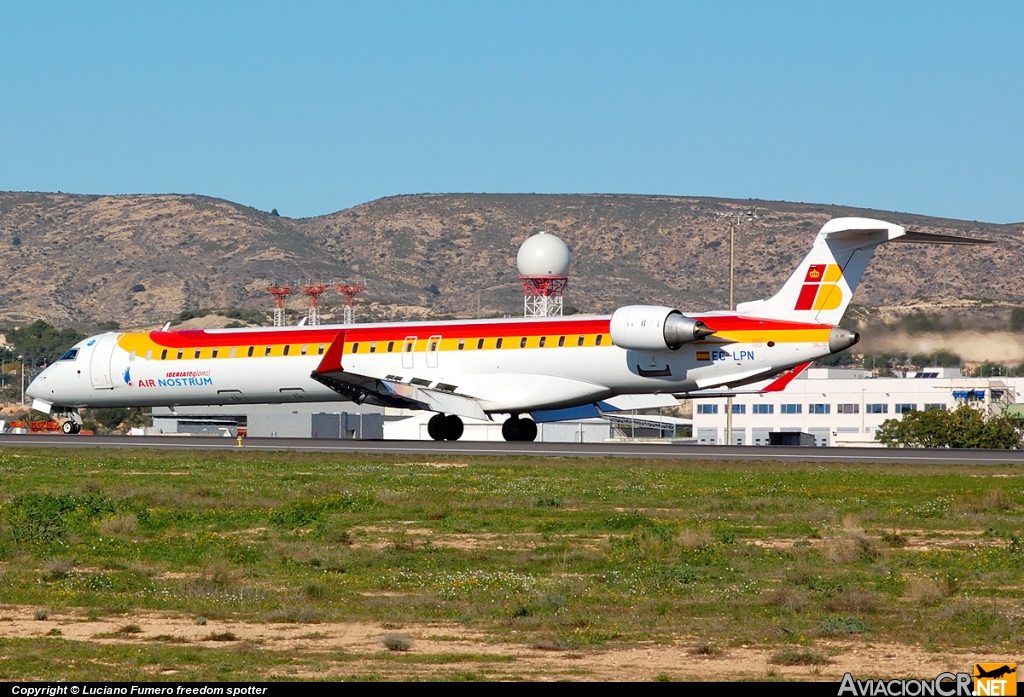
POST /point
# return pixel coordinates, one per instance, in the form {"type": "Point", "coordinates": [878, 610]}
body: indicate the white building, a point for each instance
{"type": "Point", "coordinates": [845, 407]}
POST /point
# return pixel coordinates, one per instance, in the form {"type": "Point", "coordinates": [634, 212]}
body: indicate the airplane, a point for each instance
{"type": "Point", "coordinates": [542, 367]}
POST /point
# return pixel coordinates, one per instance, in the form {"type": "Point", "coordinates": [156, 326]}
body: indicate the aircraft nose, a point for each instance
{"type": "Point", "coordinates": [37, 388]}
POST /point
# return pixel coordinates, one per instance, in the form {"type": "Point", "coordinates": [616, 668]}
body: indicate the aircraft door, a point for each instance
{"type": "Point", "coordinates": [408, 351]}
{"type": "Point", "coordinates": [433, 346]}
{"type": "Point", "coordinates": [99, 363]}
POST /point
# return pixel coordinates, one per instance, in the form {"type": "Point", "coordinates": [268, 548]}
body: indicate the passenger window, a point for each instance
{"type": "Point", "coordinates": [215, 352]}
{"type": "Point", "coordinates": [597, 341]}
{"type": "Point", "coordinates": [163, 355]}
{"type": "Point", "coordinates": [462, 344]}
{"type": "Point", "coordinates": [267, 352]}
{"type": "Point", "coordinates": [320, 350]}
{"type": "Point", "coordinates": [391, 346]}
{"type": "Point", "coordinates": [522, 342]}
{"type": "Point", "coordinates": [249, 352]}
{"type": "Point", "coordinates": [232, 352]}
{"type": "Point", "coordinates": [497, 344]}
{"type": "Point", "coordinates": [433, 345]}
{"type": "Point", "coordinates": [479, 344]}
{"type": "Point", "coordinates": [561, 341]}
{"type": "Point", "coordinates": [543, 339]}
{"type": "Point", "coordinates": [373, 347]}
{"type": "Point", "coordinates": [355, 347]}
{"type": "Point", "coordinates": [305, 349]}
{"type": "Point", "coordinates": [149, 355]}
{"type": "Point", "coordinates": [181, 353]}
{"type": "Point", "coordinates": [408, 346]}
{"type": "Point", "coordinates": [579, 342]}
{"type": "Point", "coordinates": [131, 356]}
{"type": "Point", "coordinates": [198, 351]}
{"type": "Point", "coordinates": [287, 349]}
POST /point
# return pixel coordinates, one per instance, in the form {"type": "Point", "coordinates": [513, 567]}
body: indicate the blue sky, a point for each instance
{"type": "Point", "coordinates": [314, 107]}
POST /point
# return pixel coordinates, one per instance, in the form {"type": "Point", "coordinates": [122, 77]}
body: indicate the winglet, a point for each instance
{"type": "Point", "coordinates": [781, 382]}
{"type": "Point", "coordinates": [332, 359]}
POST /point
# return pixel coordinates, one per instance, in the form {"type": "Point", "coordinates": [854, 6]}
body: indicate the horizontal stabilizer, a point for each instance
{"type": "Point", "coordinates": [933, 238]}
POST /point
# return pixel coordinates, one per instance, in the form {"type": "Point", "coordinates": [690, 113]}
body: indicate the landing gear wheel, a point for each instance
{"type": "Point", "coordinates": [435, 427]}
{"type": "Point", "coordinates": [78, 427]}
{"type": "Point", "coordinates": [68, 428]}
{"type": "Point", "coordinates": [453, 427]}
{"type": "Point", "coordinates": [516, 429]}
{"type": "Point", "coordinates": [510, 429]}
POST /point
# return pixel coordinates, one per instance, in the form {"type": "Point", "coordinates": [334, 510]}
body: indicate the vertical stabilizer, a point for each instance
{"type": "Point", "coordinates": [822, 286]}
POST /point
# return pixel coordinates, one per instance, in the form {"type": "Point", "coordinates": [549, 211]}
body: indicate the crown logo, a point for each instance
{"type": "Point", "coordinates": [814, 273]}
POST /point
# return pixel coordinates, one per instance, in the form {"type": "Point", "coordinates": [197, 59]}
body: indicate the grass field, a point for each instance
{"type": "Point", "coordinates": [259, 566]}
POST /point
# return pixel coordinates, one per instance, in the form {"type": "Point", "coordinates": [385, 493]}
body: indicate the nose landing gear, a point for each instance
{"type": "Point", "coordinates": [441, 427]}
{"type": "Point", "coordinates": [70, 428]}
{"type": "Point", "coordinates": [517, 429]}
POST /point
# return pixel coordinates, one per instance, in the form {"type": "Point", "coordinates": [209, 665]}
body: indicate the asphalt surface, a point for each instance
{"type": "Point", "coordinates": [625, 450]}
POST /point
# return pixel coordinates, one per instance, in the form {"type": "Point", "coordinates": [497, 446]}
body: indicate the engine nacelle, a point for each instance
{"type": "Point", "coordinates": [655, 328]}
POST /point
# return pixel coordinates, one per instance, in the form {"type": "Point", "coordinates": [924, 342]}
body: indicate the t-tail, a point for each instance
{"type": "Point", "coordinates": [822, 286]}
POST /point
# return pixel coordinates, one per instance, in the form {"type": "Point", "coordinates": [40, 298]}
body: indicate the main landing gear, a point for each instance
{"type": "Point", "coordinates": [519, 429]}
{"type": "Point", "coordinates": [441, 427]}
{"type": "Point", "coordinates": [69, 428]}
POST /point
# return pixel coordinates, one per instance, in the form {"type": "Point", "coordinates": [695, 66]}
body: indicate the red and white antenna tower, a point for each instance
{"type": "Point", "coordinates": [313, 291]}
{"type": "Point", "coordinates": [280, 292]}
{"type": "Point", "coordinates": [543, 263]}
{"type": "Point", "coordinates": [349, 291]}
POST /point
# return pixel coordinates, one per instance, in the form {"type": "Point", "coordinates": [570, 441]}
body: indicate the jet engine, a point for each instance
{"type": "Point", "coordinates": [655, 328]}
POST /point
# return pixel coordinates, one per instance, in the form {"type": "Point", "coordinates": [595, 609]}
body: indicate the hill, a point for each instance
{"type": "Point", "coordinates": [78, 260]}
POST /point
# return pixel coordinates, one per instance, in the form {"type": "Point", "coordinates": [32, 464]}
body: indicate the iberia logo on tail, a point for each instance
{"type": "Point", "coordinates": [820, 290]}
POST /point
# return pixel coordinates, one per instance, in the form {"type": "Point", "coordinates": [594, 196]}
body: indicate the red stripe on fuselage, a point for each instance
{"type": "Point", "coordinates": [735, 323]}
{"type": "Point", "coordinates": [200, 338]}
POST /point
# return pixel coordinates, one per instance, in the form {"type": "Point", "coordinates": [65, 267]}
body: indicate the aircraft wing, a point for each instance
{"type": "Point", "coordinates": [776, 385]}
{"type": "Point", "coordinates": [392, 393]}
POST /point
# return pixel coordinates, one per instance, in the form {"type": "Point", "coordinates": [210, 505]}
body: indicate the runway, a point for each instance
{"type": "Point", "coordinates": [664, 451]}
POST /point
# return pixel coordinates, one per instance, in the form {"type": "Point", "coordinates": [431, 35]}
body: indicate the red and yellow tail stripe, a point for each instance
{"type": "Point", "coordinates": [820, 290]}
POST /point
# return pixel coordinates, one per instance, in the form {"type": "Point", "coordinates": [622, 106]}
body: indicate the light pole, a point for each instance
{"type": "Point", "coordinates": [22, 380]}
{"type": "Point", "coordinates": [734, 220]}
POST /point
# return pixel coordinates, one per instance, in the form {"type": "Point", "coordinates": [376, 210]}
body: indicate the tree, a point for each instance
{"type": "Point", "coordinates": [1017, 319]}
{"type": "Point", "coordinates": [43, 343]}
{"type": "Point", "coordinates": [963, 427]}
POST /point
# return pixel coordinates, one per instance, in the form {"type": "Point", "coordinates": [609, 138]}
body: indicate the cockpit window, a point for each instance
{"type": "Point", "coordinates": [69, 355]}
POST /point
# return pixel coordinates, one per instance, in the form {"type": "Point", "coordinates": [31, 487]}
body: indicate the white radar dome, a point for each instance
{"type": "Point", "coordinates": [543, 255]}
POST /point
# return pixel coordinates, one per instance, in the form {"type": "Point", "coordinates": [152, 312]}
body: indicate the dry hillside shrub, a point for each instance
{"type": "Point", "coordinates": [397, 642]}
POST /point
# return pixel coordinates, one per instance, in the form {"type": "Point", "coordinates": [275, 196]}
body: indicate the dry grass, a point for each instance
{"type": "Point", "coordinates": [706, 650]}
{"type": "Point", "coordinates": [791, 656]}
{"type": "Point", "coordinates": [925, 591]}
{"type": "Point", "coordinates": [856, 602]}
{"type": "Point", "coordinates": [57, 569]}
{"type": "Point", "coordinates": [786, 598]}
{"type": "Point", "coordinates": [123, 525]}
{"type": "Point", "coordinates": [691, 540]}
{"type": "Point", "coordinates": [996, 500]}
{"type": "Point", "coordinates": [851, 544]}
